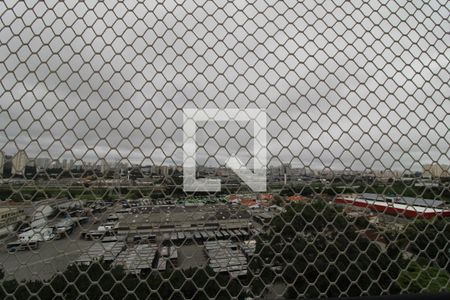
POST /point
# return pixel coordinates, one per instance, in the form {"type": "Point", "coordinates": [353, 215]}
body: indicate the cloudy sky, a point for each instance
{"type": "Point", "coordinates": [344, 85]}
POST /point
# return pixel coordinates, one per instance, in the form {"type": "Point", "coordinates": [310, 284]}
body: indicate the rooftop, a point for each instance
{"type": "Point", "coordinates": [8, 210]}
{"type": "Point", "coordinates": [412, 201]}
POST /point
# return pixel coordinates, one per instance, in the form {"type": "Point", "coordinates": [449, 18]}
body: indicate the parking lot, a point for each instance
{"type": "Point", "coordinates": [190, 256]}
{"type": "Point", "coordinates": [54, 256]}
{"type": "Point", "coordinates": [49, 258]}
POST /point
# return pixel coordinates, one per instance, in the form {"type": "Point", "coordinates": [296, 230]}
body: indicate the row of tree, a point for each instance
{"type": "Point", "coordinates": [101, 281]}
{"type": "Point", "coordinates": [315, 250]}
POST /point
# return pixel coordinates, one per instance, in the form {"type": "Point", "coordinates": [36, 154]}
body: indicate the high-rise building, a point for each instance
{"type": "Point", "coordinates": [19, 162]}
{"type": "Point", "coordinates": [104, 167]}
{"type": "Point", "coordinates": [435, 170]}
{"type": "Point", "coordinates": [164, 170]}
{"type": "Point", "coordinates": [2, 162]}
{"type": "Point", "coordinates": [65, 165]}
{"type": "Point", "coordinates": [286, 169]}
{"type": "Point", "coordinates": [42, 162]}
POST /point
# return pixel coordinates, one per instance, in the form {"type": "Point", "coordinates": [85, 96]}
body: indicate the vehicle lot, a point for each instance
{"type": "Point", "coordinates": [190, 256]}
{"type": "Point", "coordinates": [51, 257]}
{"type": "Point", "coordinates": [54, 256]}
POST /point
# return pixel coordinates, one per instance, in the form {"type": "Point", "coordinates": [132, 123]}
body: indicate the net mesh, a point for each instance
{"type": "Point", "coordinates": [341, 189]}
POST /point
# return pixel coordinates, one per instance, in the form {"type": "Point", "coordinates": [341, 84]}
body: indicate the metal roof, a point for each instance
{"type": "Point", "coordinates": [413, 201]}
{"type": "Point", "coordinates": [137, 258]}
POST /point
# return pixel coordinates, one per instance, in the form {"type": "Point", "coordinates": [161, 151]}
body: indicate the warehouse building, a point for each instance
{"type": "Point", "coordinates": [396, 205]}
{"type": "Point", "coordinates": [10, 217]}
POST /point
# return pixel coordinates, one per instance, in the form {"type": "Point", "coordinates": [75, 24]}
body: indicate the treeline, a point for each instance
{"type": "Point", "coordinates": [101, 281]}
{"type": "Point", "coordinates": [427, 239]}
{"type": "Point", "coordinates": [318, 252]}
{"type": "Point", "coordinates": [34, 193]}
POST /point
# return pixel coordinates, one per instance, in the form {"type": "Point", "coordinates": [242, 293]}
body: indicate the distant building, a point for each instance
{"type": "Point", "coordinates": [77, 168]}
{"type": "Point", "coordinates": [121, 167]}
{"type": "Point", "coordinates": [65, 165]}
{"type": "Point", "coordinates": [206, 171]}
{"type": "Point", "coordinates": [9, 218]}
{"type": "Point", "coordinates": [146, 170]}
{"type": "Point", "coordinates": [56, 164]}
{"type": "Point", "coordinates": [164, 170]}
{"type": "Point", "coordinates": [409, 207]}
{"type": "Point", "coordinates": [388, 174]}
{"type": "Point", "coordinates": [297, 172]}
{"type": "Point", "coordinates": [104, 167]}
{"type": "Point", "coordinates": [42, 163]}
{"type": "Point", "coordinates": [160, 170]}
{"type": "Point", "coordinates": [436, 170]}
{"type": "Point", "coordinates": [284, 169]}
{"type": "Point", "coordinates": [19, 162]}
{"type": "Point", "coordinates": [248, 202]}
{"type": "Point", "coordinates": [296, 198]}
{"type": "Point", "coordinates": [427, 182]}
{"type": "Point", "coordinates": [7, 165]}
{"type": "Point", "coordinates": [2, 162]}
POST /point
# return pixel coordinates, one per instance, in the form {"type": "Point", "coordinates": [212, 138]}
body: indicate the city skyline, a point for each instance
{"type": "Point", "coordinates": [434, 169]}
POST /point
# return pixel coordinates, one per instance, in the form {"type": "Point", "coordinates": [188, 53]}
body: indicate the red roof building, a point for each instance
{"type": "Point", "coordinates": [296, 198]}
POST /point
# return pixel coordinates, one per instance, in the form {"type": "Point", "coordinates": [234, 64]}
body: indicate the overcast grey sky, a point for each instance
{"type": "Point", "coordinates": [356, 85]}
